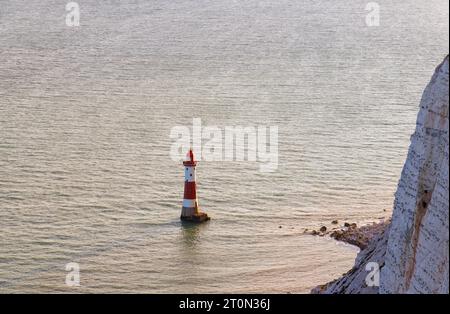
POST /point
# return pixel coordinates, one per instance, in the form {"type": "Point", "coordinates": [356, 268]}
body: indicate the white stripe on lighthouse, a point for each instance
{"type": "Point", "coordinates": [188, 203]}
{"type": "Point", "coordinates": [189, 174]}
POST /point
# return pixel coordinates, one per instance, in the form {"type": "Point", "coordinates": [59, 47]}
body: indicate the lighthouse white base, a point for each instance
{"type": "Point", "coordinates": [188, 211]}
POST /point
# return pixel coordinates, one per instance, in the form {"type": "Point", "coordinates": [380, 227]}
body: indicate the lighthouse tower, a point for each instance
{"type": "Point", "coordinates": [190, 210]}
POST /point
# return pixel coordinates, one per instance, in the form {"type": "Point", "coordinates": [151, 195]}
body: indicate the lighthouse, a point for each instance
{"type": "Point", "coordinates": [190, 210]}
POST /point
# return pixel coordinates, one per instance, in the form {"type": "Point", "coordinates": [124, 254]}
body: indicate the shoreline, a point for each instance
{"type": "Point", "coordinates": [350, 233]}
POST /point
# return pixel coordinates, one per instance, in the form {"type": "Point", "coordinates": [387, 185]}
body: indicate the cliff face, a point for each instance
{"type": "Point", "coordinates": [418, 249]}
{"type": "Point", "coordinates": [413, 252]}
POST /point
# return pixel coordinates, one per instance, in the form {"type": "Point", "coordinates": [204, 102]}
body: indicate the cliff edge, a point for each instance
{"type": "Point", "coordinates": [412, 254]}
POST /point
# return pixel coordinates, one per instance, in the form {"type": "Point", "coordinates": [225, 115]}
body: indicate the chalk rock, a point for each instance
{"type": "Point", "coordinates": [413, 252]}
{"type": "Point", "coordinates": [417, 255]}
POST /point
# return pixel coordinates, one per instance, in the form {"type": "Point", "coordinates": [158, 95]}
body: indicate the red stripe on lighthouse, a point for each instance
{"type": "Point", "coordinates": [190, 191]}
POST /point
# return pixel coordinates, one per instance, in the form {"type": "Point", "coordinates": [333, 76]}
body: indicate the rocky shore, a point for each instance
{"type": "Point", "coordinates": [351, 233]}
{"type": "Point", "coordinates": [363, 237]}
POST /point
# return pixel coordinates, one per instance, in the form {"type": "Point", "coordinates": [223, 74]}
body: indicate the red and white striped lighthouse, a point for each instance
{"type": "Point", "coordinates": [190, 210]}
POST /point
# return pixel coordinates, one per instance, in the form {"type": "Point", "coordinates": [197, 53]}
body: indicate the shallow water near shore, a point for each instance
{"type": "Point", "coordinates": [86, 113]}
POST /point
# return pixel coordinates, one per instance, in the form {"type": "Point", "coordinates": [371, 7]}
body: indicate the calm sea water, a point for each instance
{"type": "Point", "coordinates": [86, 113]}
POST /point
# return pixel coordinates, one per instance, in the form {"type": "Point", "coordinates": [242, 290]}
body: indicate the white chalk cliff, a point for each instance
{"type": "Point", "coordinates": [413, 252]}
